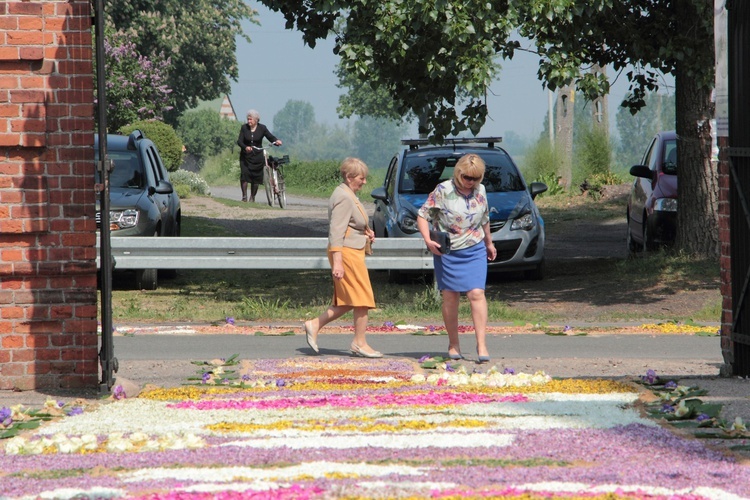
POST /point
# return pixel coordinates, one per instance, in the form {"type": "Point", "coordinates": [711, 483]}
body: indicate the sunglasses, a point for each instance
{"type": "Point", "coordinates": [469, 178]}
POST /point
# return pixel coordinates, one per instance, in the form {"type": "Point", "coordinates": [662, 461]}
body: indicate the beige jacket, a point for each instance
{"type": "Point", "coordinates": [348, 220]}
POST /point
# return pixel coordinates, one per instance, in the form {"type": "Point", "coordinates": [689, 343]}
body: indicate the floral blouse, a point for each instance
{"type": "Point", "coordinates": [461, 216]}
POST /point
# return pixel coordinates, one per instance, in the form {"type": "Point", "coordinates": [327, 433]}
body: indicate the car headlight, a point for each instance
{"type": "Point", "coordinates": [407, 222]}
{"type": "Point", "coordinates": [666, 205]}
{"type": "Point", "coordinates": [525, 222]}
{"type": "Point", "coordinates": [123, 219]}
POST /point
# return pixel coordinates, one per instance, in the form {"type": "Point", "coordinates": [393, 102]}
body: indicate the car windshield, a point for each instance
{"type": "Point", "coordinates": [127, 173]}
{"type": "Point", "coordinates": [422, 172]}
{"type": "Point", "coordinates": [670, 157]}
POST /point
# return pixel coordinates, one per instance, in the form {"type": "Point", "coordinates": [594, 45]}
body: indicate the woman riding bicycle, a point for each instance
{"type": "Point", "coordinates": [252, 159]}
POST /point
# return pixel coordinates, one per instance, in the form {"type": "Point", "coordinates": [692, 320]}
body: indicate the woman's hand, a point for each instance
{"type": "Point", "coordinates": [337, 269]}
{"type": "Point", "coordinates": [433, 246]}
{"type": "Point", "coordinates": [338, 272]}
{"type": "Point", "coordinates": [491, 251]}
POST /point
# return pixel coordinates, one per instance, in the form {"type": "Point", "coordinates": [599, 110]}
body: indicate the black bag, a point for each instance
{"type": "Point", "coordinates": [443, 239]}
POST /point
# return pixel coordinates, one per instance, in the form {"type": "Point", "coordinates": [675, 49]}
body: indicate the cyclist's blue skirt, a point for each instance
{"type": "Point", "coordinates": [462, 270]}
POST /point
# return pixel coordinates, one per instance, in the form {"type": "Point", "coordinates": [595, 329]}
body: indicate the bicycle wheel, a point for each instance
{"type": "Point", "coordinates": [280, 184]}
{"type": "Point", "coordinates": [267, 184]}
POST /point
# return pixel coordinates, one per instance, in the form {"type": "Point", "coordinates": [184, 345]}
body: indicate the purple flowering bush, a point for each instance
{"type": "Point", "coordinates": [135, 84]}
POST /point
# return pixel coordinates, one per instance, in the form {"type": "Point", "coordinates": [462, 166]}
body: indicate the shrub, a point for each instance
{"type": "Point", "coordinates": [540, 161]}
{"type": "Point", "coordinates": [191, 181]}
{"type": "Point", "coordinates": [165, 138]}
{"type": "Point", "coordinates": [316, 177]}
{"type": "Point", "coordinates": [205, 133]}
{"type": "Point", "coordinates": [594, 155]}
{"type": "Point", "coordinates": [222, 169]}
{"type": "Point", "coordinates": [595, 184]}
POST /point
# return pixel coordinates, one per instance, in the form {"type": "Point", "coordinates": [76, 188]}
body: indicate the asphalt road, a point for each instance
{"type": "Point", "coordinates": [168, 359]}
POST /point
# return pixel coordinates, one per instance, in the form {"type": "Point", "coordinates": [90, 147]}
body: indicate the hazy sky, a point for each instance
{"type": "Point", "coordinates": [277, 67]}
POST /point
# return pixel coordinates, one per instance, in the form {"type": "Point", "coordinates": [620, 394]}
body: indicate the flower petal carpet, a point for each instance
{"type": "Point", "coordinates": [329, 427]}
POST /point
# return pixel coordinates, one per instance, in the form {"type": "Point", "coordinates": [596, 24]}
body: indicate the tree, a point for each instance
{"type": "Point", "coordinates": [136, 86]}
{"type": "Point", "coordinates": [656, 37]}
{"type": "Point", "coordinates": [429, 57]}
{"type": "Point", "coordinates": [434, 56]}
{"type": "Point", "coordinates": [198, 36]}
{"type": "Point", "coordinates": [206, 133]}
{"type": "Point", "coordinates": [294, 122]}
{"type": "Point", "coordinates": [377, 139]}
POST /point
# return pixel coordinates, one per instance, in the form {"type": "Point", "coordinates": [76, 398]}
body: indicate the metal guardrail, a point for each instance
{"type": "Point", "coordinates": [257, 253]}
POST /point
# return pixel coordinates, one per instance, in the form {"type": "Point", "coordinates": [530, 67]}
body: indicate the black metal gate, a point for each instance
{"type": "Point", "coordinates": [739, 190]}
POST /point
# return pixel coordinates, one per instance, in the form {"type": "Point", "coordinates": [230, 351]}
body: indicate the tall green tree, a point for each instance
{"type": "Point", "coordinates": [198, 36]}
{"type": "Point", "coordinates": [434, 56]}
{"type": "Point", "coordinates": [295, 122]}
{"type": "Point", "coordinates": [430, 57]}
{"type": "Point", "coordinates": [655, 37]}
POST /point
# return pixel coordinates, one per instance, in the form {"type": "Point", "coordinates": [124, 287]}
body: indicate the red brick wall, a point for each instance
{"type": "Point", "coordinates": [48, 296]}
{"type": "Point", "coordinates": [725, 260]}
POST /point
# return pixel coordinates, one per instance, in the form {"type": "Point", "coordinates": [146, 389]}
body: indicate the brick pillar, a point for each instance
{"type": "Point", "coordinates": [725, 259]}
{"type": "Point", "coordinates": [48, 295]}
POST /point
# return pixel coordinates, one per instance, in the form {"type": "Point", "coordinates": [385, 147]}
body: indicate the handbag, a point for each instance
{"type": "Point", "coordinates": [368, 247]}
{"type": "Point", "coordinates": [443, 239]}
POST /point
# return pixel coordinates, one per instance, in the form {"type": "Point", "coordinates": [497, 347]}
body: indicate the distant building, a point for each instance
{"type": "Point", "coordinates": [221, 104]}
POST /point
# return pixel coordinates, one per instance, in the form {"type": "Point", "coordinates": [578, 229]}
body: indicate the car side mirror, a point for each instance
{"type": "Point", "coordinates": [379, 194]}
{"type": "Point", "coordinates": [164, 187]}
{"type": "Point", "coordinates": [537, 188]}
{"type": "Point", "coordinates": [641, 171]}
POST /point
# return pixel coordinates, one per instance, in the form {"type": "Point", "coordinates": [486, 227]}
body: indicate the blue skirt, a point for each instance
{"type": "Point", "coordinates": [462, 270]}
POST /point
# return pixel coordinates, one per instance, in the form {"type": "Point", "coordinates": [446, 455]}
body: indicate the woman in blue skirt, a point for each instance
{"type": "Point", "coordinates": [459, 207]}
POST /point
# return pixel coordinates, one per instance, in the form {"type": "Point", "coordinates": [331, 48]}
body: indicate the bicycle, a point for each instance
{"type": "Point", "coordinates": [273, 178]}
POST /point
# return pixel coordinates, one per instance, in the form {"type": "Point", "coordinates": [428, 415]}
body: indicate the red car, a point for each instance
{"type": "Point", "coordinates": [652, 204]}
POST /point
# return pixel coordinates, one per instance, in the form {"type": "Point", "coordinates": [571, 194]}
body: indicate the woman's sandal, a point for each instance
{"type": "Point", "coordinates": [309, 337]}
{"type": "Point", "coordinates": [357, 351]}
{"type": "Point", "coordinates": [482, 359]}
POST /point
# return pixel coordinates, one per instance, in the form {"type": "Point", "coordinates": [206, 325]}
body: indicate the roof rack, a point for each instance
{"type": "Point", "coordinates": [415, 143]}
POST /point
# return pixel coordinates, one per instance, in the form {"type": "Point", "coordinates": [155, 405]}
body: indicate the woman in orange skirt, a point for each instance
{"type": "Point", "coordinates": [348, 235]}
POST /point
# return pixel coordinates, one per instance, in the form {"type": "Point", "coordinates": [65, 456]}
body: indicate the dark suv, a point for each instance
{"type": "Point", "coordinates": [142, 200]}
{"type": "Point", "coordinates": [516, 225]}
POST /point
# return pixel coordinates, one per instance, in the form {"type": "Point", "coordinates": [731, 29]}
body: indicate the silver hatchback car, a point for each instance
{"type": "Point", "coordinates": [516, 225]}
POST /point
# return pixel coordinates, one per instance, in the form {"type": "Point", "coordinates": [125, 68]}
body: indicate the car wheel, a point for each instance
{"type": "Point", "coordinates": [146, 279]}
{"type": "Point", "coordinates": [648, 245]}
{"type": "Point", "coordinates": [535, 274]}
{"type": "Point", "coordinates": [632, 245]}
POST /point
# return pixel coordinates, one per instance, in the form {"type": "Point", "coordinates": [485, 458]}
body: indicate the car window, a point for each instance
{"type": "Point", "coordinates": [127, 171]}
{"type": "Point", "coordinates": [650, 157]}
{"type": "Point", "coordinates": [421, 173]}
{"type": "Point", "coordinates": [670, 158]}
{"type": "Point", "coordinates": [390, 177]}
{"type": "Point", "coordinates": [152, 162]}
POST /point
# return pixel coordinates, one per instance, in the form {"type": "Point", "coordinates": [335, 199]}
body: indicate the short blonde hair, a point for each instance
{"type": "Point", "coordinates": [253, 113]}
{"type": "Point", "coordinates": [470, 164]}
{"type": "Point", "coordinates": [353, 167]}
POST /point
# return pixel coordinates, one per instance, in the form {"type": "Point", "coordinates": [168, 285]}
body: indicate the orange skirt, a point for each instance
{"type": "Point", "coordinates": [354, 289]}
